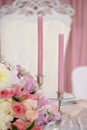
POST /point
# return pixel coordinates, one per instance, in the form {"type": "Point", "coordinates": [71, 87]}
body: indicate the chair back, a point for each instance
{"type": "Point", "coordinates": [79, 82]}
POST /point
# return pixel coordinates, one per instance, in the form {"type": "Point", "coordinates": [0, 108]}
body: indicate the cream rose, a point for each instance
{"type": "Point", "coordinates": [6, 112]}
{"type": "Point", "coordinates": [30, 104]}
{"type": "Point", "coordinates": [3, 125]}
{"type": "Point", "coordinates": [5, 77]}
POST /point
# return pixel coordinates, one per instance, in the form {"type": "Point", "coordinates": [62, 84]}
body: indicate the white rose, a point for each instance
{"type": "Point", "coordinates": [29, 103]}
{"type": "Point", "coordinates": [5, 100]}
{"type": "Point", "coordinates": [15, 79]}
{"type": "Point", "coordinates": [6, 111]}
{"type": "Point", "coordinates": [40, 93]}
{"type": "Point", "coordinates": [3, 125]}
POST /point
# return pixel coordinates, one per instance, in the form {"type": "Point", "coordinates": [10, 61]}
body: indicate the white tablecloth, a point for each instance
{"type": "Point", "coordinates": [74, 109]}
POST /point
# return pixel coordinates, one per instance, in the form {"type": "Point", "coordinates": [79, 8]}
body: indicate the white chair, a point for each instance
{"type": "Point", "coordinates": [79, 82]}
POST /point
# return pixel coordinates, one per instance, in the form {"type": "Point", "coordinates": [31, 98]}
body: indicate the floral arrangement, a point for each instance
{"type": "Point", "coordinates": [23, 105]}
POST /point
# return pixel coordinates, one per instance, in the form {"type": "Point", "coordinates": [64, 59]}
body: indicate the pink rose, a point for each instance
{"type": "Point", "coordinates": [31, 114]}
{"type": "Point", "coordinates": [34, 97]}
{"type": "Point", "coordinates": [18, 108]}
{"type": "Point", "coordinates": [24, 94]}
{"type": "Point", "coordinates": [37, 128]}
{"type": "Point", "coordinates": [16, 89]}
{"type": "Point", "coordinates": [21, 125]}
{"type": "Point", "coordinates": [6, 93]}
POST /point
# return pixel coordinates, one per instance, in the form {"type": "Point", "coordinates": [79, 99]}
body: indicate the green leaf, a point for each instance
{"type": "Point", "coordinates": [14, 128]}
{"type": "Point", "coordinates": [31, 126]}
{"type": "Point", "coordinates": [22, 88]}
{"type": "Point", "coordinates": [16, 99]}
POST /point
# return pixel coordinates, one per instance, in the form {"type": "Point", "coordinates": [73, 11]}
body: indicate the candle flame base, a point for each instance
{"type": "Point", "coordinates": [40, 81]}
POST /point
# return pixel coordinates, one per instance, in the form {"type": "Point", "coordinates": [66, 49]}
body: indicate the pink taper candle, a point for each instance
{"type": "Point", "coordinates": [40, 45]}
{"type": "Point", "coordinates": [61, 63]}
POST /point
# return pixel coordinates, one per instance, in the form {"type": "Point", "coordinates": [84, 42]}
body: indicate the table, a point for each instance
{"type": "Point", "coordinates": [74, 108]}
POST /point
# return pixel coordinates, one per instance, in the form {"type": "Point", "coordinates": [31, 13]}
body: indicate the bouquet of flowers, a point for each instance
{"type": "Point", "coordinates": [23, 105]}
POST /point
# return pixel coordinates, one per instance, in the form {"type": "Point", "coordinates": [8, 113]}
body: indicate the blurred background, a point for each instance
{"type": "Point", "coordinates": [76, 49]}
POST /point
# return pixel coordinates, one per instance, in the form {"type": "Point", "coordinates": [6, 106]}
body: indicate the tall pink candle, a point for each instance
{"type": "Point", "coordinates": [40, 45]}
{"type": "Point", "coordinates": [61, 63]}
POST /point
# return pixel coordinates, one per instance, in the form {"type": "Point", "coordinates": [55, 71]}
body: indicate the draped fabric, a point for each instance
{"type": "Point", "coordinates": [3, 2]}
{"type": "Point", "coordinates": [77, 44]}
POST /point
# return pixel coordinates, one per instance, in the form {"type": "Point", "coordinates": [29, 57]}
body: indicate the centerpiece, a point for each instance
{"type": "Point", "coordinates": [23, 105]}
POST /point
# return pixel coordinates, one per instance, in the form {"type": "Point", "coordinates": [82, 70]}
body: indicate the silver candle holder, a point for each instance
{"type": "Point", "coordinates": [40, 80]}
{"type": "Point", "coordinates": [60, 98]}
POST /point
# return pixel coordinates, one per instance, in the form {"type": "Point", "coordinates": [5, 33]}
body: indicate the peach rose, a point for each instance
{"type": "Point", "coordinates": [31, 114]}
